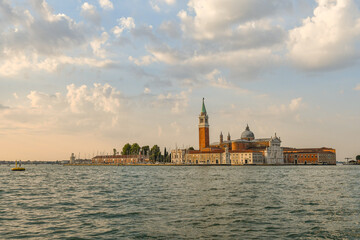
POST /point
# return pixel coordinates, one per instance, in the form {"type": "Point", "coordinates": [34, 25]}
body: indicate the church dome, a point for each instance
{"type": "Point", "coordinates": [247, 134]}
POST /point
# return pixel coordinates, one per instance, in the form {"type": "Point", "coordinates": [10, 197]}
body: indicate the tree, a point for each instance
{"type": "Point", "coordinates": [135, 149]}
{"type": "Point", "coordinates": [145, 150]}
{"type": "Point", "coordinates": [358, 157]}
{"type": "Point", "coordinates": [165, 153]}
{"type": "Point", "coordinates": [114, 150]}
{"type": "Point", "coordinates": [126, 149]}
{"type": "Point", "coordinates": [191, 149]}
{"type": "Point", "coordinates": [155, 153]}
{"type": "Point", "coordinates": [166, 156]}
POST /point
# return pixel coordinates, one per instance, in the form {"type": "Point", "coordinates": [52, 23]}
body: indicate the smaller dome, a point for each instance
{"type": "Point", "coordinates": [247, 134]}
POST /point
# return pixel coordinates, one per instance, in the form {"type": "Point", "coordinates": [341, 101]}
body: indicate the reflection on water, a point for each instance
{"type": "Point", "coordinates": [87, 202]}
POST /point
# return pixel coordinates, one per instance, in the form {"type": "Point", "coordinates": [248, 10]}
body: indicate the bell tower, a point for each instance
{"type": "Point", "coordinates": [203, 128]}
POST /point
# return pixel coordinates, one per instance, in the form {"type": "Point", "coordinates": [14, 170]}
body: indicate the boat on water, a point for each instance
{"type": "Point", "coordinates": [18, 168]}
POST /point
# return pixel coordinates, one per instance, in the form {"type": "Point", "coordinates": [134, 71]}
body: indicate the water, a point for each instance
{"type": "Point", "coordinates": [137, 202]}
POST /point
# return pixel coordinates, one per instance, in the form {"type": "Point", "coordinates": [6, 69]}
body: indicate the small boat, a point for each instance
{"type": "Point", "coordinates": [18, 168]}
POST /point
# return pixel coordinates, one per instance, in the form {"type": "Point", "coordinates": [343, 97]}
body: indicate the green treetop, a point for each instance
{"type": "Point", "coordinates": [126, 149]}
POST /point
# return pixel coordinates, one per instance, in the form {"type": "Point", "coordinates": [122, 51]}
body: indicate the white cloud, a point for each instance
{"type": "Point", "coordinates": [357, 88]}
{"type": "Point", "coordinates": [44, 32]}
{"type": "Point", "coordinates": [155, 4]}
{"type": "Point", "coordinates": [241, 62]}
{"type": "Point", "coordinates": [176, 102]}
{"type": "Point", "coordinates": [97, 43]}
{"type": "Point", "coordinates": [216, 79]}
{"type": "Point", "coordinates": [147, 90]}
{"type": "Point", "coordinates": [124, 24]}
{"type": "Point", "coordinates": [106, 4]}
{"type": "Point", "coordinates": [89, 12]}
{"type": "Point", "coordinates": [142, 61]}
{"type": "Point", "coordinates": [293, 106]}
{"type": "Point", "coordinates": [245, 43]}
{"type": "Point", "coordinates": [216, 18]}
{"type": "Point", "coordinates": [170, 2]}
{"type": "Point", "coordinates": [100, 98]}
{"type": "Point", "coordinates": [80, 109]}
{"type": "Point", "coordinates": [39, 39]}
{"type": "Point", "coordinates": [167, 55]}
{"type": "Point", "coordinates": [328, 39]}
{"type": "Point", "coordinates": [14, 63]}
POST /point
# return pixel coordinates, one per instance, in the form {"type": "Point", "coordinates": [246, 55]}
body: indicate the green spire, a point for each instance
{"type": "Point", "coordinates": [203, 110]}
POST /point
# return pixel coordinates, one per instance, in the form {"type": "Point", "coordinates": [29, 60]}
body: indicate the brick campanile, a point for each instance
{"type": "Point", "coordinates": [203, 128]}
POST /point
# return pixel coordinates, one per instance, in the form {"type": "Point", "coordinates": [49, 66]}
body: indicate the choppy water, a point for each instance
{"type": "Point", "coordinates": [63, 202]}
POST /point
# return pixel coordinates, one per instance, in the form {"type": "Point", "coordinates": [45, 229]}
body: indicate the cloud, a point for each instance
{"type": "Point", "coordinates": [166, 54]}
{"type": "Point", "coordinates": [176, 102]}
{"type": "Point", "coordinates": [17, 62]}
{"type": "Point", "coordinates": [147, 90]}
{"type": "Point", "coordinates": [46, 33]}
{"type": "Point", "coordinates": [89, 12]}
{"type": "Point", "coordinates": [293, 106]}
{"type": "Point", "coordinates": [106, 4]}
{"type": "Point", "coordinates": [82, 108]}
{"type": "Point", "coordinates": [124, 24]}
{"type": "Point", "coordinates": [3, 107]}
{"type": "Point", "coordinates": [357, 88]}
{"type": "Point", "coordinates": [216, 79]}
{"type": "Point", "coordinates": [209, 21]}
{"type": "Point", "coordinates": [39, 39]}
{"type": "Point", "coordinates": [142, 61]}
{"type": "Point", "coordinates": [155, 4]}
{"type": "Point", "coordinates": [170, 28]}
{"type": "Point", "coordinates": [243, 44]}
{"type": "Point", "coordinates": [97, 43]}
{"type": "Point", "coordinates": [169, 2]}
{"type": "Point", "coordinates": [327, 40]}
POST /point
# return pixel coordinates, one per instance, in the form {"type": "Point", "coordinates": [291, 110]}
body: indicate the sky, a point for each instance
{"type": "Point", "coordinates": [85, 77]}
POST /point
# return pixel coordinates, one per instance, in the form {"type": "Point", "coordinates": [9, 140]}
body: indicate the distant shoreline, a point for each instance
{"type": "Point", "coordinates": [198, 165]}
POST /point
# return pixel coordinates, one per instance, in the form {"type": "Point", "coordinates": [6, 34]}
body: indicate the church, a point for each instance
{"type": "Point", "coordinates": [245, 150]}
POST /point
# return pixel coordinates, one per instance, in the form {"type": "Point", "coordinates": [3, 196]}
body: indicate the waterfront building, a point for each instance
{"type": "Point", "coordinates": [178, 156]}
{"type": "Point", "coordinates": [246, 157]}
{"type": "Point", "coordinates": [120, 159]}
{"type": "Point", "coordinates": [245, 150]}
{"type": "Point", "coordinates": [310, 156]}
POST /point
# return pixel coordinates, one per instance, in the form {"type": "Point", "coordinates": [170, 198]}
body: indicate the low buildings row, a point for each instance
{"type": "Point", "coordinates": [120, 159]}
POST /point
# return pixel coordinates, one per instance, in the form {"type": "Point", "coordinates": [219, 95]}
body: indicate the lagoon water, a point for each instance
{"type": "Point", "coordinates": [139, 202]}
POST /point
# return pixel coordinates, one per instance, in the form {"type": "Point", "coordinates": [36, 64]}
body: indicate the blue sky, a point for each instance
{"type": "Point", "coordinates": [88, 76]}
